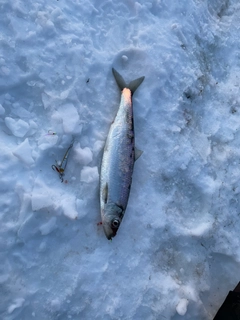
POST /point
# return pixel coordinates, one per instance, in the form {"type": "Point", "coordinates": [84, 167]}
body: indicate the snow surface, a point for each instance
{"type": "Point", "coordinates": [176, 254]}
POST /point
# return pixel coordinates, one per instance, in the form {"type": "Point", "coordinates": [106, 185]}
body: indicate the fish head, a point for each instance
{"type": "Point", "coordinates": [112, 219]}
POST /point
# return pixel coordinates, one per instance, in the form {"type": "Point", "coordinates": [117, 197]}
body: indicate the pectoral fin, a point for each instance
{"type": "Point", "coordinates": [138, 153]}
{"type": "Point", "coordinates": [105, 193]}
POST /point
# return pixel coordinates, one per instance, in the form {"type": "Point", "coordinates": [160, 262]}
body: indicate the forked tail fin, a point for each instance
{"type": "Point", "coordinates": [133, 85]}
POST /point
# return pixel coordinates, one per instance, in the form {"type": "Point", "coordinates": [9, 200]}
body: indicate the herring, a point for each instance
{"type": "Point", "coordinates": [118, 160]}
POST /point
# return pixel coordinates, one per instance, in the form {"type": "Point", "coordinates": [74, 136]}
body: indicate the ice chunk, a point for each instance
{"type": "Point", "coordinates": [33, 127]}
{"type": "Point", "coordinates": [89, 174]}
{"type": "Point", "coordinates": [47, 141]}
{"type": "Point", "coordinates": [46, 100]}
{"type": "Point", "coordinates": [182, 307]}
{"type": "Point", "coordinates": [20, 111]}
{"type": "Point", "coordinates": [42, 198]}
{"type": "Point", "coordinates": [98, 146]}
{"type": "Point", "coordinates": [69, 207]}
{"type": "Point", "coordinates": [69, 117]}
{"type": "Point", "coordinates": [24, 152]}
{"type": "Point", "coordinates": [48, 227]}
{"type": "Point", "coordinates": [45, 197]}
{"type": "Point", "coordinates": [18, 127]}
{"type": "Point", "coordinates": [83, 156]}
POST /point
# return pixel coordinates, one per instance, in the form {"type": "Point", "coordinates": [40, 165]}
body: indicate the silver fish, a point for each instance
{"type": "Point", "coordinates": [118, 160]}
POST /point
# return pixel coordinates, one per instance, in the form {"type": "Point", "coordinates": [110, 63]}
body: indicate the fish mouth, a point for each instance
{"type": "Point", "coordinates": [108, 237]}
{"type": "Point", "coordinates": [109, 232]}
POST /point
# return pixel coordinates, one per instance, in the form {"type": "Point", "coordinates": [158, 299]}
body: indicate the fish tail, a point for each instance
{"type": "Point", "coordinates": [133, 85]}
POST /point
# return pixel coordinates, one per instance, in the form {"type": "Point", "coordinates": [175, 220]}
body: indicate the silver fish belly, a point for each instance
{"type": "Point", "coordinates": [118, 161]}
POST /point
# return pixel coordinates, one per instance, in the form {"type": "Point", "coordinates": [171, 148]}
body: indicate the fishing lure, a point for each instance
{"type": "Point", "coordinates": [50, 133]}
{"type": "Point", "coordinates": [61, 168]}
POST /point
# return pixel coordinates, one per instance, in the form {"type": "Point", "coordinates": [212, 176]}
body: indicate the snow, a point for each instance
{"type": "Point", "coordinates": [83, 155]}
{"type": "Point", "coordinates": [176, 254]}
{"type": "Point", "coordinates": [18, 303]}
{"type": "Point", "coordinates": [182, 307]}
{"type": "Point", "coordinates": [18, 127]}
{"type": "Point", "coordinates": [24, 152]}
{"type": "Point", "coordinates": [69, 116]}
{"type": "Point", "coordinates": [89, 174]}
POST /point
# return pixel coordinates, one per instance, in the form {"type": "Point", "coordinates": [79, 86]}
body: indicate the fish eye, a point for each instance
{"type": "Point", "coordinates": [115, 223]}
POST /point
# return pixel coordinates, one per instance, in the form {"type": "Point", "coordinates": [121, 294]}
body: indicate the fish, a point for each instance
{"type": "Point", "coordinates": [118, 160]}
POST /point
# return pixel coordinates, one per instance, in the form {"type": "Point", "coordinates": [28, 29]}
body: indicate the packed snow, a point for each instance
{"type": "Point", "coordinates": [176, 254]}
